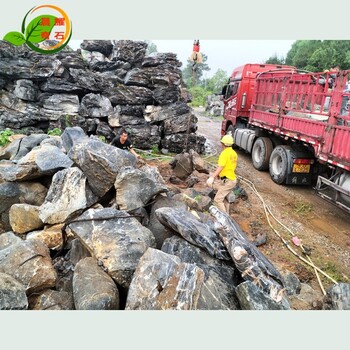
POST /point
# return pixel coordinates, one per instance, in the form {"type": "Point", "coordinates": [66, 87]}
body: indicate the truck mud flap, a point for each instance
{"type": "Point", "coordinates": [334, 193]}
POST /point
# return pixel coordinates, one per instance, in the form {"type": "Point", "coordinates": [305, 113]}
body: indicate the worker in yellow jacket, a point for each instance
{"type": "Point", "coordinates": [224, 179]}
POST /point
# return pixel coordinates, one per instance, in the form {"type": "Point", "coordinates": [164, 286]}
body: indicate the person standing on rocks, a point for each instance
{"type": "Point", "coordinates": [224, 179]}
{"type": "Point", "coordinates": [121, 141]}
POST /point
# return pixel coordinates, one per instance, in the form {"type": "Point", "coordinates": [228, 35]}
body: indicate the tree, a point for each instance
{"type": "Point", "coordinates": [152, 47]}
{"type": "Point", "coordinates": [192, 78]}
{"type": "Point", "coordinates": [318, 55]}
{"type": "Point", "coordinates": [217, 81]}
{"type": "Point", "coordinates": [275, 60]}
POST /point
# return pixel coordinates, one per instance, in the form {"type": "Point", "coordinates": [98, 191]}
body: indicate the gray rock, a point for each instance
{"type": "Point", "coordinates": [7, 239]}
{"type": "Point", "coordinates": [291, 283]}
{"type": "Point", "coordinates": [95, 105]}
{"type": "Point", "coordinates": [178, 143]}
{"type": "Point", "coordinates": [182, 123]}
{"type": "Point", "coordinates": [251, 263]}
{"type": "Point", "coordinates": [124, 95]}
{"type": "Point", "coordinates": [103, 46]}
{"type": "Point", "coordinates": [159, 113]}
{"type": "Point", "coordinates": [218, 290]}
{"type": "Point", "coordinates": [66, 104]}
{"type": "Point", "coordinates": [20, 147]}
{"type": "Point", "coordinates": [30, 263]}
{"type": "Point", "coordinates": [135, 188]}
{"type": "Point", "coordinates": [51, 300]}
{"type": "Point", "coordinates": [12, 294]}
{"type": "Point", "coordinates": [130, 51]}
{"type": "Point", "coordinates": [48, 159]}
{"type": "Point", "coordinates": [193, 231]}
{"type": "Point", "coordinates": [26, 90]}
{"type": "Point", "coordinates": [160, 231]}
{"type": "Point", "coordinates": [72, 136]}
{"type": "Point", "coordinates": [337, 297]}
{"type": "Point", "coordinates": [69, 194]}
{"type": "Point", "coordinates": [93, 289]}
{"type": "Point", "coordinates": [115, 239]}
{"type": "Point", "coordinates": [253, 298]}
{"type": "Point", "coordinates": [162, 282]}
{"type": "Point", "coordinates": [59, 85]}
{"type": "Point", "coordinates": [100, 163]}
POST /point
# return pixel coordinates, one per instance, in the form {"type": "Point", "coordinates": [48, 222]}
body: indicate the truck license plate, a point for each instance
{"type": "Point", "coordinates": [301, 168]}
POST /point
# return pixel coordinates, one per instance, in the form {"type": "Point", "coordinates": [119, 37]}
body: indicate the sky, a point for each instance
{"type": "Point", "coordinates": [222, 54]}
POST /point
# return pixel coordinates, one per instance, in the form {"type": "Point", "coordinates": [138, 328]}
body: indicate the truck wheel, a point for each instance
{"type": "Point", "coordinates": [261, 153]}
{"type": "Point", "coordinates": [278, 164]}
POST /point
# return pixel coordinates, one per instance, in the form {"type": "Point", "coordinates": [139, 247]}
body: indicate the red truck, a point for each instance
{"type": "Point", "coordinates": [294, 123]}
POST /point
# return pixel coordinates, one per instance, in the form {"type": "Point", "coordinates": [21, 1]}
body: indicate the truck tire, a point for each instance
{"type": "Point", "coordinates": [261, 153]}
{"type": "Point", "coordinates": [278, 164]}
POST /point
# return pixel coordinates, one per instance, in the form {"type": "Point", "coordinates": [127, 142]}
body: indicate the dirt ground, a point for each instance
{"type": "Point", "coordinates": [322, 228]}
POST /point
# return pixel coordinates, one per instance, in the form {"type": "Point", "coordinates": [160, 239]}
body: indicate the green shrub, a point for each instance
{"type": "Point", "coordinates": [5, 137]}
{"type": "Point", "coordinates": [55, 132]}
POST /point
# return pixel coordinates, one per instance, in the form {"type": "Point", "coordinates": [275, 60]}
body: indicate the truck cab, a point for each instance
{"type": "Point", "coordinates": [238, 94]}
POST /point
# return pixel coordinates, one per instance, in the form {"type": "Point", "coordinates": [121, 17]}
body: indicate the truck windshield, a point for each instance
{"type": "Point", "coordinates": [231, 90]}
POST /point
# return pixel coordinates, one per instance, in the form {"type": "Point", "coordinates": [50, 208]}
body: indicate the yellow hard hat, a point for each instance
{"type": "Point", "coordinates": [227, 140]}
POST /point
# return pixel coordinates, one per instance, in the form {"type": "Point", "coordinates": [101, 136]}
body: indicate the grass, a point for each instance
{"type": "Point", "coordinates": [302, 208]}
{"type": "Point", "coordinates": [332, 270]}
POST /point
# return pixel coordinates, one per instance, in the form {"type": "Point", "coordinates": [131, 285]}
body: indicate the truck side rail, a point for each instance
{"type": "Point", "coordinates": [311, 107]}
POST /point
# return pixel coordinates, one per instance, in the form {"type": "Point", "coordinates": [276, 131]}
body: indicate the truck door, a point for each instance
{"type": "Point", "coordinates": [231, 99]}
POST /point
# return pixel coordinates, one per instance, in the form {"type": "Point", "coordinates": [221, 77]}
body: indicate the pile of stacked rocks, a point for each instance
{"type": "Point", "coordinates": [102, 87]}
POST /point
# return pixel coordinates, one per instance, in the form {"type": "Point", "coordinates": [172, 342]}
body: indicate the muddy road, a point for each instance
{"type": "Point", "coordinates": [324, 229]}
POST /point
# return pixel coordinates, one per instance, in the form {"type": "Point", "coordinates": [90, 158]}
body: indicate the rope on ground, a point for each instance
{"type": "Point", "coordinates": [269, 212]}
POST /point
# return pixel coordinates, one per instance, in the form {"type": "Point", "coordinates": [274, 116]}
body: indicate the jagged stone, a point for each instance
{"type": "Point", "coordinates": [26, 90]}
{"type": "Point", "coordinates": [20, 147]}
{"type": "Point", "coordinates": [12, 294]}
{"type": "Point", "coordinates": [145, 136]}
{"type": "Point", "coordinates": [72, 136]}
{"type": "Point", "coordinates": [178, 143]}
{"type": "Point", "coordinates": [183, 123]}
{"type": "Point", "coordinates": [162, 282]}
{"type": "Point", "coordinates": [253, 298]}
{"type": "Point", "coordinates": [30, 263]}
{"type": "Point", "coordinates": [47, 158]}
{"type": "Point", "coordinates": [125, 95]}
{"type": "Point", "coordinates": [160, 231]}
{"type": "Point", "coordinates": [100, 163]}
{"type": "Point", "coordinates": [157, 59]}
{"type": "Point", "coordinates": [69, 194]}
{"type": "Point", "coordinates": [115, 239]}
{"type": "Point", "coordinates": [103, 46]}
{"type": "Point", "coordinates": [51, 300]}
{"type": "Point", "coordinates": [135, 188]}
{"type": "Point", "coordinates": [51, 236]}
{"type": "Point", "coordinates": [218, 290]}
{"type": "Point", "coordinates": [95, 106]}
{"type": "Point", "coordinates": [337, 297]}
{"type": "Point", "coordinates": [130, 51]}
{"type": "Point", "coordinates": [158, 113]}
{"type": "Point", "coordinates": [194, 231]}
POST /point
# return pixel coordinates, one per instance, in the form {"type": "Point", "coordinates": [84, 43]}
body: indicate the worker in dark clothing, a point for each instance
{"type": "Point", "coordinates": [121, 141]}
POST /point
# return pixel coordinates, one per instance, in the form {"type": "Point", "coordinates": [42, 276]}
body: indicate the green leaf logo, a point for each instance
{"type": "Point", "coordinates": [41, 28]}
{"type": "Point", "coordinates": [15, 38]}
{"type": "Point", "coordinates": [38, 26]}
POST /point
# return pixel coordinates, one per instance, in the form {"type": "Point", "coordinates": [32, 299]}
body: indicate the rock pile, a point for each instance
{"type": "Point", "coordinates": [102, 87]}
{"type": "Point", "coordinates": [86, 227]}
{"type": "Point", "coordinates": [215, 105]}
